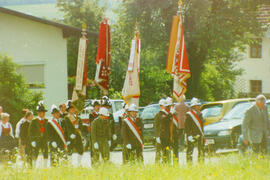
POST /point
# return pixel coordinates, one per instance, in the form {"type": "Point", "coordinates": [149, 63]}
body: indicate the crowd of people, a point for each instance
{"type": "Point", "coordinates": [61, 136]}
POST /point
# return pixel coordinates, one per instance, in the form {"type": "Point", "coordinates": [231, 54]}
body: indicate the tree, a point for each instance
{"type": "Point", "coordinates": [213, 29]}
{"type": "Point", "coordinates": [76, 13]}
{"type": "Point", "coordinates": [14, 92]}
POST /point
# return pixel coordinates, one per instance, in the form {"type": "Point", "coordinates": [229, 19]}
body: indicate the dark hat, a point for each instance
{"type": "Point", "coordinates": [54, 109]}
{"type": "Point", "coordinates": [41, 107]}
{"type": "Point", "coordinates": [69, 105]}
{"type": "Point", "coordinates": [95, 103]}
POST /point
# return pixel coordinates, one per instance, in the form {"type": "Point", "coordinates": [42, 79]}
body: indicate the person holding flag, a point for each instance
{"type": "Point", "coordinates": [131, 89]}
{"type": "Point", "coordinates": [132, 132]}
{"type": "Point", "coordinates": [56, 138]}
{"type": "Point", "coordinates": [194, 130]}
{"type": "Point", "coordinates": [163, 131]}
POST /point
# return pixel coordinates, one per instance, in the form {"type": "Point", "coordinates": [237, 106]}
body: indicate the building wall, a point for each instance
{"type": "Point", "coordinates": [255, 68]}
{"type": "Point", "coordinates": [32, 43]}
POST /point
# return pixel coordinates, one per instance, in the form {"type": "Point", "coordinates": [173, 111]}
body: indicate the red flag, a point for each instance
{"type": "Point", "coordinates": [177, 62]}
{"type": "Point", "coordinates": [103, 59]}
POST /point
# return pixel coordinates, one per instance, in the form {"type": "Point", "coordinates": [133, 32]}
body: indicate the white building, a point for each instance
{"type": "Point", "coordinates": [40, 47]}
{"type": "Point", "coordinates": [256, 64]}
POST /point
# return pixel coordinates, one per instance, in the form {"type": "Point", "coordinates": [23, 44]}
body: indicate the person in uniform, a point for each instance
{"type": "Point", "coordinates": [92, 116]}
{"type": "Point", "coordinates": [72, 131]}
{"type": "Point", "coordinates": [194, 131]}
{"type": "Point", "coordinates": [162, 130]}
{"type": "Point", "coordinates": [132, 131]}
{"type": "Point", "coordinates": [63, 111]}
{"type": "Point", "coordinates": [107, 104]}
{"type": "Point", "coordinates": [25, 139]}
{"type": "Point", "coordinates": [158, 145]}
{"type": "Point", "coordinates": [123, 116]}
{"type": "Point", "coordinates": [101, 136]}
{"type": "Point", "coordinates": [17, 134]}
{"type": "Point", "coordinates": [56, 138]}
{"type": "Point", "coordinates": [174, 130]}
{"type": "Point", "coordinates": [38, 135]}
{"type": "Point", "coordinates": [7, 141]}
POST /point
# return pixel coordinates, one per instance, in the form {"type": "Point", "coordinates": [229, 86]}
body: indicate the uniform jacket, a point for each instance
{"type": "Point", "coordinates": [162, 125]}
{"type": "Point", "coordinates": [69, 128]}
{"type": "Point", "coordinates": [24, 136]}
{"type": "Point", "coordinates": [191, 129]}
{"type": "Point", "coordinates": [180, 111]}
{"type": "Point", "coordinates": [101, 130]}
{"type": "Point", "coordinates": [253, 128]}
{"type": "Point", "coordinates": [54, 136]}
{"type": "Point", "coordinates": [34, 131]}
{"type": "Point", "coordinates": [127, 134]}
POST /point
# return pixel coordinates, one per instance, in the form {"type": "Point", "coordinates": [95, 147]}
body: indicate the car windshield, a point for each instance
{"type": "Point", "coordinates": [212, 110]}
{"type": "Point", "coordinates": [118, 105]}
{"type": "Point", "coordinates": [150, 112]}
{"type": "Point", "coordinates": [238, 111]}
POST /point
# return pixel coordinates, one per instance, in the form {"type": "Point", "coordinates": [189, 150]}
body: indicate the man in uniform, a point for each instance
{"type": "Point", "coordinates": [71, 126]}
{"type": "Point", "coordinates": [101, 136]}
{"type": "Point", "coordinates": [92, 116]}
{"type": "Point", "coordinates": [24, 137]}
{"type": "Point", "coordinates": [56, 138]}
{"type": "Point", "coordinates": [107, 104]}
{"type": "Point", "coordinates": [38, 135]}
{"type": "Point", "coordinates": [174, 130]}
{"type": "Point", "coordinates": [162, 130]}
{"type": "Point", "coordinates": [194, 131]}
{"type": "Point", "coordinates": [132, 131]}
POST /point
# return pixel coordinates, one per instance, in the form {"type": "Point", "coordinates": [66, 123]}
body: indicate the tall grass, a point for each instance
{"type": "Point", "coordinates": [225, 167]}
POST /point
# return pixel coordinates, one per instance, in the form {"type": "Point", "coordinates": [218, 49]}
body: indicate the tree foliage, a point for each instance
{"type": "Point", "coordinates": [14, 92]}
{"type": "Point", "coordinates": [213, 29]}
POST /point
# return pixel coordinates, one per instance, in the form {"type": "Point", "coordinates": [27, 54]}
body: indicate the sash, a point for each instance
{"type": "Point", "coordinates": [196, 120]}
{"type": "Point", "coordinates": [59, 131]}
{"type": "Point", "coordinates": [135, 130]}
{"type": "Point", "coordinates": [175, 120]}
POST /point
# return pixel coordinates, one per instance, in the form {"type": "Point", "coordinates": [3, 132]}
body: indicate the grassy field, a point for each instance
{"type": "Point", "coordinates": [226, 167]}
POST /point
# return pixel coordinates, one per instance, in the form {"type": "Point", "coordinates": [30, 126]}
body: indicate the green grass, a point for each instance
{"type": "Point", "coordinates": [225, 167]}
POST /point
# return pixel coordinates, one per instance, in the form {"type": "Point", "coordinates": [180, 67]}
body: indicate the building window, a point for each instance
{"type": "Point", "coordinates": [34, 75]}
{"type": "Point", "coordinates": [256, 49]}
{"type": "Point", "coordinates": [255, 86]}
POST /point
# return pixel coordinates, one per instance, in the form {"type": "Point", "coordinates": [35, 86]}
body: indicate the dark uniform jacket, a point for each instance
{"type": "Point", "coordinates": [54, 136]}
{"type": "Point", "coordinates": [25, 140]}
{"type": "Point", "coordinates": [101, 130]}
{"type": "Point", "coordinates": [162, 125]}
{"type": "Point", "coordinates": [112, 124]}
{"type": "Point", "coordinates": [128, 135]}
{"type": "Point", "coordinates": [35, 131]}
{"type": "Point", "coordinates": [70, 128]}
{"type": "Point", "coordinates": [191, 128]}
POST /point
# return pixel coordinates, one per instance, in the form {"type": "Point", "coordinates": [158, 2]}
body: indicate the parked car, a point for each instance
{"type": "Point", "coordinates": [214, 111]}
{"type": "Point", "coordinates": [225, 133]}
{"type": "Point", "coordinates": [147, 117]}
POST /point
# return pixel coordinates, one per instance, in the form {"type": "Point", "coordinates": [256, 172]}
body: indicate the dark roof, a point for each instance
{"type": "Point", "coordinates": [67, 30]}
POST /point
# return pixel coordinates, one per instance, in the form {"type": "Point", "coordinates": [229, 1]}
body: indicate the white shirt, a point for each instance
{"type": "Point", "coordinates": [18, 126]}
{"type": "Point", "coordinates": [6, 125]}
